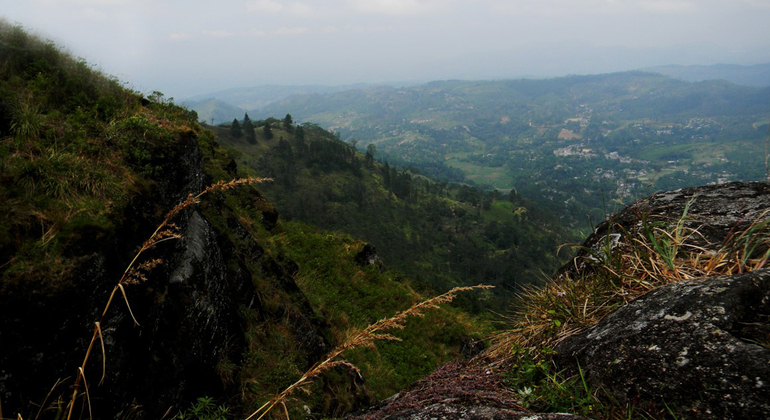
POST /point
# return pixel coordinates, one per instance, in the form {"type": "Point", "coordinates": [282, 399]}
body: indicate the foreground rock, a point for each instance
{"type": "Point", "coordinates": [699, 347]}
{"type": "Point", "coordinates": [692, 345]}
{"type": "Point", "coordinates": [455, 391]}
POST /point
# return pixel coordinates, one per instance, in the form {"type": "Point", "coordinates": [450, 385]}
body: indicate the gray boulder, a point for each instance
{"type": "Point", "coordinates": [700, 347]}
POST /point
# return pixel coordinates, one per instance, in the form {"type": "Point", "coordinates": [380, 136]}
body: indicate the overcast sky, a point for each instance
{"type": "Point", "coordinates": [188, 47]}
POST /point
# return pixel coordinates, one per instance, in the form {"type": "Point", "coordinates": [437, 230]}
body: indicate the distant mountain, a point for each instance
{"type": "Point", "coordinates": [214, 111]}
{"type": "Point", "coordinates": [757, 75]}
{"type": "Point", "coordinates": [227, 104]}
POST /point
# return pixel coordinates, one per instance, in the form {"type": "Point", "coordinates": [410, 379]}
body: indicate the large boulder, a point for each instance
{"type": "Point", "coordinates": [716, 211]}
{"type": "Point", "coordinates": [700, 347]}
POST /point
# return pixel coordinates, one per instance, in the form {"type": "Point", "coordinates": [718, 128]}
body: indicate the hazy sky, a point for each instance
{"type": "Point", "coordinates": [187, 47]}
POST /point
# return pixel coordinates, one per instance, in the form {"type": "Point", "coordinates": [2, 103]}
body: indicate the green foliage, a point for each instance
{"type": "Point", "coordinates": [235, 129]}
{"type": "Point", "coordinates": [581, 146]}
{"type": "Point", "coordinates": [438, 234]}
{"type": "Point", "coordinates": [339, 291]}
{"type": "Point", "coordinates": [74, 146]}
{"type": "Point", "coordinates": [267, 131]}
{"type": "Point", "coordinates": [205, 409]}
{"type": "Point", "coordinates": [541, 389]}
{"type": "Point", "coordinates": [77, 148]}
{"type": "Point", "coordinates": [248, 129]}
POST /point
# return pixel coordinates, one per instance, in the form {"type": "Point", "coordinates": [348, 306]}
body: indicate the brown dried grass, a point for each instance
{"type": "Point", "coordinates": [364, 338]}
{"type": "Point", "coordinates": [641, 261]}
{"type": "Point", "coordinates": [136, 273]}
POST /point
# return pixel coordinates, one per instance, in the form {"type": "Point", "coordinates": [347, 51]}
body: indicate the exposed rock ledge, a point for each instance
{"type": "Point", "coordinates": [457, 390]}
{"type": "Point", "coordinates": [694, 345]}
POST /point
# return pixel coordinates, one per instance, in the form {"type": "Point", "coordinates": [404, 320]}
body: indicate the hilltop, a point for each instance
{"type": "Point", "coordinates": [757, 75]}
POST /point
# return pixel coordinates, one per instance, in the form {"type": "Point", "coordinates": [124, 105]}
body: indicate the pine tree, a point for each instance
{"type": "Point", "coordinates": [287, 123]}
{"type": "Point", "coordinates": [235, 129]}
{"type": "Point", "coordinates": [248, 129]}
{"type": "Point", "coordinates": [268, 132]}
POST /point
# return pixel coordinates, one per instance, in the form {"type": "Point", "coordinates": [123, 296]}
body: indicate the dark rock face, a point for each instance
{"type": "Point", "coordinates": [455, 391]}
{"type": "Point", "coordinates": [188, 309]}
{"type": "Point", "coordinates": [699, 346]}
{"type": "Point", "coordinates": [367, 256]}
{"type": "Point", "coordinates": [692, 344]}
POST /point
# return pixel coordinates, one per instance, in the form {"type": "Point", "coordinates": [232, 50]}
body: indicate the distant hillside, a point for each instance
{"type": "Point", "coordinates": [214, 111]}
{"type": "Point", "coordinates": [757, 75]}
{"type": "Point", "coordinates": [437, 233]}
{"type": "Point", "coordinates": [578, 145]}
{"type": "Point", "coordinates": [225, 105]}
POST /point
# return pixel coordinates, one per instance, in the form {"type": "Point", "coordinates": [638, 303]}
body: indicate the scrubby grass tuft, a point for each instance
{"type": "Point", "coordinates": [627, 265]}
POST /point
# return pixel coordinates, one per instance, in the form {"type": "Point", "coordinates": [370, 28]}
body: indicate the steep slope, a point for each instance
{"type": "Point", "coordinates": [228, 302]}
{"type": "Point", "coordinates": [440, 234]}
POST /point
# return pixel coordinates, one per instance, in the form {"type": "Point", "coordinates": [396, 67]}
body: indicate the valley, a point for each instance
{"type": "Point", "coordinates": [582, 146]}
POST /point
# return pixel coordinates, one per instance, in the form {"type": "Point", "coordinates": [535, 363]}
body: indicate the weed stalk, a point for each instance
{"type": "Point", "coordinates": [132, 275]}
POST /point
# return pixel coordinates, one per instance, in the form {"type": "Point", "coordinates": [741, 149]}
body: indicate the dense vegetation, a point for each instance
{"type": "Point", "coordinates": [576, 145]}
{"type": "Point", "coordinates": [83, 165]}
{"type": "Point", "coordinates": [438, 233]}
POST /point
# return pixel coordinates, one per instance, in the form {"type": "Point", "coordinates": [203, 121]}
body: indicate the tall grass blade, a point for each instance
{"type": "Point", "coordinates": [123, 290]}
{"type": "Point", "coordinates": [104, 354]}
{"type": "Point", "coordinates": [88, 395]}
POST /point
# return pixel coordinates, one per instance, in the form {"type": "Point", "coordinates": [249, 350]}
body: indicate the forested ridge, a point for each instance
{"type": "Point", "coordinates": [438, 233]}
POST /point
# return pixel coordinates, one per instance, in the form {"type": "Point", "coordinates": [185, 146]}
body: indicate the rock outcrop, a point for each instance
{"type": "Point", "coordinates": [457, 390]}
{"type": "Point", "coordinates": [716, 211]}
{"type": "Point", "coordinates": [696, 346]}
{"type": "Point", "coordinates": [699, 346]}
{"type": "Point", "coordinates": [190, 335]}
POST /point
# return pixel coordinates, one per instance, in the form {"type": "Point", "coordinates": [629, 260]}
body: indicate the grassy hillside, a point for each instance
{"type": "Point", "coordinates": [437, 233]}
{"type": "Point", "coordinates": [89, 169]}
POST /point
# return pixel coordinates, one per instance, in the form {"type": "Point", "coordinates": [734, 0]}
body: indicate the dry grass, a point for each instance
{"type": "Point", "coordinates": [364, 338]}
{"type": "Point", "coordinates": [136, 273]}
{"type": "Point", "coordinates": [629, 265]}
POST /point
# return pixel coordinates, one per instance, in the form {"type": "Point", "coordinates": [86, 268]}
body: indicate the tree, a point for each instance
{"type": "Point", "coordinates": [386, 175]}
{"type": "Point", "coordinates": [371, 149]}
{"type": "Point", "coordinates": [235, 129]}
{"type": "Point", "coordinates": [248, 129]}
{"type": "Point", "coordinates": [268, 132]}
{"type": "Point", "coordinates": [287, 123]}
